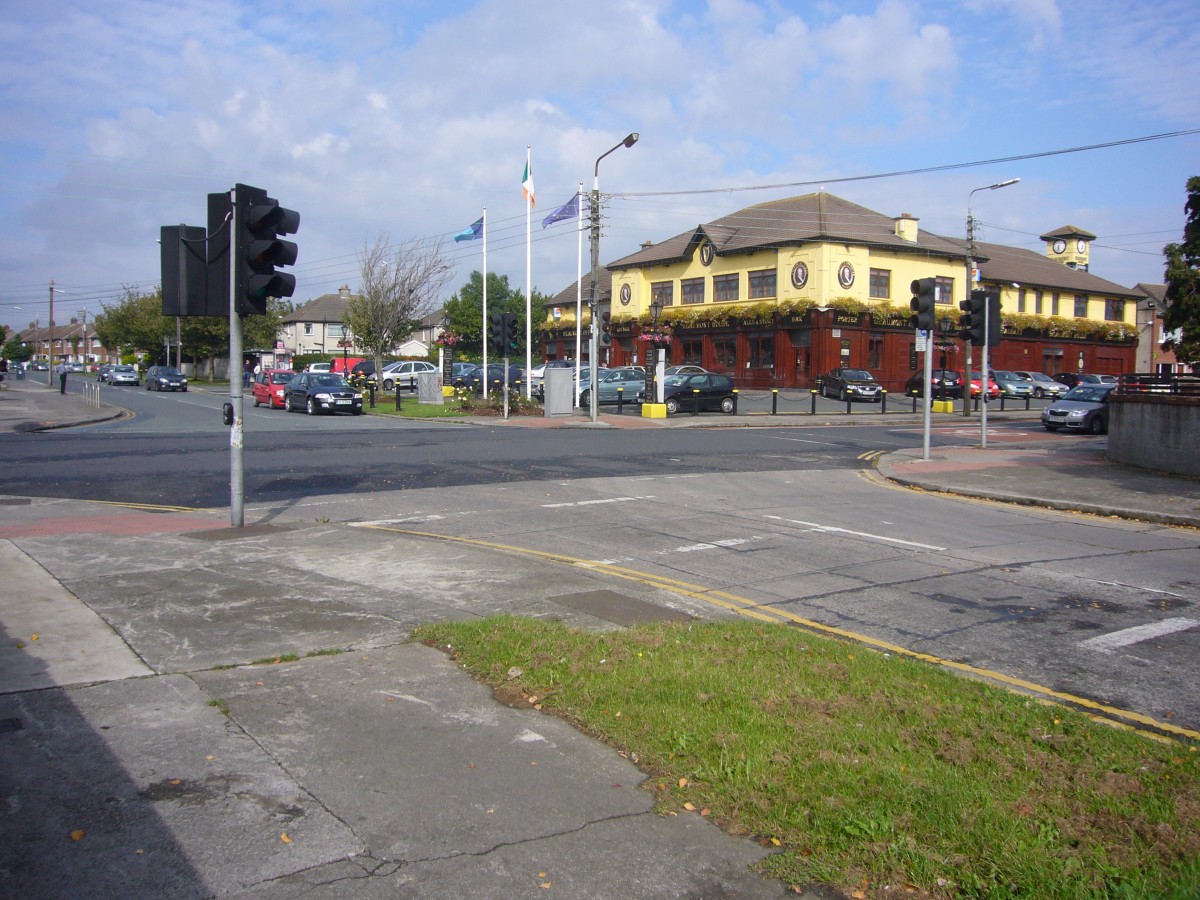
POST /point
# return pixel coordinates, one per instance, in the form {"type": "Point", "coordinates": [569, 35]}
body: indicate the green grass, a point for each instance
{"type": "Point", "coordinates": [864, 769]}
{"type": "Point", "coordinates": [451, 408]}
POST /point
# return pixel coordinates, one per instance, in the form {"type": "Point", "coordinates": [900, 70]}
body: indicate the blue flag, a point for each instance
{"type": "Point", "coordinates": [471, 234]}
{"type": "Point", "coordinates": [569, 210]}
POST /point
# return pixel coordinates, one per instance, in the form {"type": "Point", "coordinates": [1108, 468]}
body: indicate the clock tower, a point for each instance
{"type": "Point", "coordinates": [1070, 246]}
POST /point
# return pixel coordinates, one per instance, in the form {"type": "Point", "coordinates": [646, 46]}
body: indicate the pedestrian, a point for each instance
{"type": "Point", "coordinates": [246, 374]}
{"type": "Point", "coordinates": [61, 369]}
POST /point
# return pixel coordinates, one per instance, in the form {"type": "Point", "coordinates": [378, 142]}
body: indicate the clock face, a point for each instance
{"type": "Point", "coordinates": [626, 294]}
{"type": "Point", "coordinates": [845, 274]}
{"type": "Point", "coordinates": [799, 275]}
{"type": "Point", "coordinates": [706, 254]}
{"type": "Point", "coordinates": [1060, 246]}
{"type": "Point", "coordinates": [1081, 246]}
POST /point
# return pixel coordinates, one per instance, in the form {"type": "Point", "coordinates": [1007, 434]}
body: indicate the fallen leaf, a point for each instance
{"type": "Point", "coordinates": [683, 782]}
{"type": "Point", "coordinates": [689, 807]}
{"type": "Point", "coordinates": [33, 637]}
{"type": "Point", "coordinates": [20, 645]}
{"type": "Point", "coordinates": [259, 683]}
{"type": "Point", "coordinates": [285, 838]}
{"type": "Point", "coordinates": [533, 699]}
{"type": "Point", "coordinates": [77, 834]}
{"type": "Point", "coordinates": [705, 811]}
{"type": "Point", "coordinates": [545, 884]}
{"type": "Point", "coordinates": [210, 757]}
{"type": "Point", "coordinates": [542, 875]}
{"type": "Point", "coordinates": [175, 781]}
{"type": "Point", "coordinates": [777, 842]}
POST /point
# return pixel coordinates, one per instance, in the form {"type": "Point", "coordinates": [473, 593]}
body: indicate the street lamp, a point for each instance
{"type": "Point", "coordinates": [967, 296]}
{"type": "Point", "coordinates": [345, 343]}
{"type": "Point", "coordinates": [593, 301]}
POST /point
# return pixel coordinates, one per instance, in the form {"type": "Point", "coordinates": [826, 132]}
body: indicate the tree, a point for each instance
{"type": "Point", "coordinates": [464, 311]}
{"type": "Point", "coordinates": [399, 286]}
{"type": "Point", "coordinates": [1182, 299]}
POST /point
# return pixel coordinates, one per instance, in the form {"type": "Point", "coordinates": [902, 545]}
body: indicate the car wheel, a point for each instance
{"type": "Point", "coordinates": [1050, 427]}
{"type": "Point", "coordinates": [585, 400]}
{"type": "Point", "coordinates": [1096, 426]}
{"type": "Point", "coordinates": [257, 403]}
{"type": "Point", "coordinates": [672, 406]}
{"type": "Point", "coordinates": [388, 384]}
{"type": "Point", "coordinates": [357, 412]}
{"type": "Point", "coordinates": [843, 396]}
{"type": "Point", "coordinates": [727, 405]}
{"type": "Point", "coordinates": [311, 407]}
{"type": "Point", "coordinates": [287, 403]}
{"type": "Point", "coordinates": [184, 389]}
{"type": "Point", "coordinates": [1039, 393]}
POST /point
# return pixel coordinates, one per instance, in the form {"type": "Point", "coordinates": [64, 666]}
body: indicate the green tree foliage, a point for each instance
{"type": "Point", "coordinates": [399, 285]}
{"type": "Point", "coordinates": [1182, 315]}
{"type": "Point", "coordinates": [464, 311]}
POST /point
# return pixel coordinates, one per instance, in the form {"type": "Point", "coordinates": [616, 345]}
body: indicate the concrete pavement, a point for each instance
{"type": "Point", "coordinates": [147, 753]}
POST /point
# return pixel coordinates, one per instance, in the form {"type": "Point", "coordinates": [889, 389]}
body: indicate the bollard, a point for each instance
{"type": "Point", "coordinates": [620, 401]}
{"type": "Point", "coordinates": [397, 401]}
{"type": "Point", "coordinates": [882, 402]}
{"type": "Point", "coordinates": [1026, 403]}
{"type": "Point", "coordinates": [813, 409]}
{"type": "Point", "coordinates": [371, 390]}
{"type": "Point", "coordinates": [847, 404]}
{"type": "Point", "coordinates": [774, 401]}
{"type": "Point", "coordinates": [735, 400]}
{"type": "Point", "coordinates": [695, 401]}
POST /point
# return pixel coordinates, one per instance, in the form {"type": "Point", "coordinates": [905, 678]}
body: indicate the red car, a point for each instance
{"type": "Point", "coordinates": [993, 389]}
{"type": "Point", "coordinates": [269, 385]}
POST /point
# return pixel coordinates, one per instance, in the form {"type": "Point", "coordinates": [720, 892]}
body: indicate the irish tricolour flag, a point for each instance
{"type": "Point", "coordinates": [527, 184]}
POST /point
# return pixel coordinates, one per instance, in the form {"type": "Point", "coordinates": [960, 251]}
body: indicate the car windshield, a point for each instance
{"type": "Point", "coordinates": [857, 374]}
{"type": "Point", "coordinates": [327, 380]}
{"type": "Point", "coordinates": [1087, 393]}
{"type": "Point", "coordinates": [170, 370]}
{"type": "Point", "coordinates": [1007, 376]}
{"type": "Point", "coordinates": [124, 369]}
{"type": "Point", "coordinates": [281, 377]}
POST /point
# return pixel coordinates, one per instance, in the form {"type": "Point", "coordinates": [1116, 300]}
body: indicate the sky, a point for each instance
{"type": "Point", "coordinates": [404, 120]}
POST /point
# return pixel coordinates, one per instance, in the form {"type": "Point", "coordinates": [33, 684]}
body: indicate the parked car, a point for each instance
{"type": "Point", "coordinates": [851, 384]}
{"type": "Point", "coordinates": [1070, 379]}
{"type": "Point", "coordinates": [1084, 408]}
{"type": "Point", "coordinates": [993, 389]}
{"type": "Point", "coordinates": [317, 392]}
{"type": "Point", "coordinates": [945, 383]}
{"type": "Point", "coordinates": [684, 370]}
{"type": "Point", "coordinates": [1011, 384]}
{"type": "Point", "coordinates": [622, 383]}
{"type": "Point", "coordinates": [124, 375]}
{"type": "Point", "coordinates": [404, 373]}
{"type": "Point", "coordinates": [165, 378]}
{"type": "Point", "coordinates": [1043, 385]}
{"type": "Point", "coordinates": [319, 367]}
{"type": "Point", "coordinates": [537, 375]}
{"type": "Point", "coordinates": [102, 372]}
{"type": "Point", "coordinates": [1098, 379]}
{"type": "Point", "coordinates": [474, 378]}
{"type": "Point", "coordinates": [269, 387]}
{"type": "Point", "coordinates": [714, 392]}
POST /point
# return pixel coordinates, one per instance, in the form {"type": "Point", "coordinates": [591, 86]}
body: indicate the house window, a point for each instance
{"type": "Point", "coordinates": [881, 283]}
{"type": "Point", "coordinates": [1021, 300]}
{"type": "Point", "coordinates": [944, 290]}
{"type": "Point", "coordinates": [1114, 310]}
{"type": "Point", "coordinates": [1054, 304]}
{"type": "Point", "coordinates": [762, 284]}
{"type": "Point", "coordinates": [662, 292]}
{"type": "Point", "coordinates": [308, 329]}
{"type": "Point", "coordinates": [875, 353]}
{"type": "Point", "coordinates": [725, 288]}
{"type": "Point", "coordinates": [691, 290]}
{"type": "Point", "coordinates": [725, 353]}
{"type": "Point", "coordinates": [1037, 302]}
{"type": "Point", "coordinates": [762, 351]}
{"type": "Point", "coordinates": [1081, 304]}
{"type": "Point", "coordinates": [693, 351]}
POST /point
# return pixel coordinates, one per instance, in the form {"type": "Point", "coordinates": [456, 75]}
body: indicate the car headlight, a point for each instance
{"type": "Point", "coordinates": [322, 396]}
{"type": "Point", "coordinates": [1077, 414]}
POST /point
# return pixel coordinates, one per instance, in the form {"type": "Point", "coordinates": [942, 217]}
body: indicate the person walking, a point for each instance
{"type": "Point", "coordinates": [61, 370]}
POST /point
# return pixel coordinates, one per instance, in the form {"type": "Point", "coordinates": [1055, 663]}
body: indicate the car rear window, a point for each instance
{"type": "Point", "coordinates": [281, 377]}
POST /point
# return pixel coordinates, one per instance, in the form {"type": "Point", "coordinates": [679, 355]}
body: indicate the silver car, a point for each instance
{"type": "Point", "coordinates": [1012, 385]}
{"type": "Point", "coordinates": [124, 375]}
{"type": "Point", "coordinates": [404, 373]}
{"type": "Point", "coordinates": [1043, 385]}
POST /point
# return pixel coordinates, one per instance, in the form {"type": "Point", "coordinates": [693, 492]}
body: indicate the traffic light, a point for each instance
{"type": "Point", "coordinates": [512, 338]}
{"type": "Point", "coordinates": [972, 324]}
{"type": "Point", "coordinates": [184, 282]}
{"type": "Point", "coordinates": [995, 326]}
{"type": "Point", "coordinates": [924, 297]}
{"type": "Point", "coordinates": [605, 336]}
{"type": "Point", "coordinates": [495, 333]}
{"type": "Point", "coordinates": [258, 249]}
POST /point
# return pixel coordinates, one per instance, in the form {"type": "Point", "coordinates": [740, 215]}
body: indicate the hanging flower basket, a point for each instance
{"type": "Point", "coordinates": [655, 336]}
{"type": "Point", "coordinates": [447, 339]}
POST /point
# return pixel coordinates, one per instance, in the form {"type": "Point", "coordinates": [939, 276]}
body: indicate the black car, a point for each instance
{"type": "Point", "coordinates": [711, 391]}
{"type": "Point", "coordinates": [165, 378]}
{"type": "Point", "coordinates": [474, 379]}
{"type": "Point", "coordinates": [851, 384]}
{"type": "Point", "coordinates": [944, 383]}
{"type": "Point", "coordinates": [1070, 379]}
{"type": "Point", "coordinates": [1083, 408]}
{"type": "Point", "coordinates": [316, 392]}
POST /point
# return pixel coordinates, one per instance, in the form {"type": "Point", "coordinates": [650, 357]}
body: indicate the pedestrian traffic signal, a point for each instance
{"type": "Point", "coordinates": [924, 297]}
{"type": "Point", "coordinates": [496, 333]}
{"type": "Point", "coordinates": [258, 249]}
{"type": "Point", "coordinates": [605, 335]}
{"type": "Point", "coordinates": [971, 326]}
{"type": "Point", "coordinates": [512, 337]}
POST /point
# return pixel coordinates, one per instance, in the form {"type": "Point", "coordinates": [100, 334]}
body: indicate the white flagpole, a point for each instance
{"type": "Point", "coordinates": [528, 282]}
{"type": "Point", "coordinates": [484, 332]}
{"type": "Point", "coordinates": [579, 294]}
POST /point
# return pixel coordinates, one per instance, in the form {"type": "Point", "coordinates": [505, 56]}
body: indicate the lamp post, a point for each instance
{"type": "Point", "coordinates": [593, 299]}
{"type": "Point", "coordinates": [652, 382]}
{"type": "Point", "coordinates": [947, 326]}
{"type": "Point", "coordinates": [966, 296]}
{"type": "Point", "coordinates": [345, 343]}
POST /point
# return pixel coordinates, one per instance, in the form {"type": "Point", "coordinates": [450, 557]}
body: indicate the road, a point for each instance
{"type": "Point", "coordinates": [787, 522]}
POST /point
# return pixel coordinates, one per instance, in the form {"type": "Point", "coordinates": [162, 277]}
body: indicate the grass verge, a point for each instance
{"type": "Point", "coordinates": [869, 772]}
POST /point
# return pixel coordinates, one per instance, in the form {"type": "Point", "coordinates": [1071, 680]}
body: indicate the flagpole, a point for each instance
{"type": "Point", "coordinates": [484, 331]}
{"type": "Point", "coordinates": [528, 280]}
{"type": "Point", "coordinates": [579, 293]}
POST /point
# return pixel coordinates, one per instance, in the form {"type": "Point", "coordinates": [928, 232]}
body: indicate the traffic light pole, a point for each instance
{"type": "Point", "coordinates": [984, 377]}
{"type": "Point", "coordinates": [236, 492]}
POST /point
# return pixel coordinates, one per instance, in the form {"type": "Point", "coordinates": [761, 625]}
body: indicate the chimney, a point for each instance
{"type": "Point", "coordinates": [906, 227]}
{"type": "Point", "coordinates": [646, 245]}
{"type": "Point", "coordinates": [344, 293]}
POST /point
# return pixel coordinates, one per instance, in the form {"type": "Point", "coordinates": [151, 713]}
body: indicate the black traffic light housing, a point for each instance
{"type": "Point", "coordinates": [972, 324]}
{"type": "Point", "coordinates": [512, 337]}
{"type": "Point", "coordinates": [604, 338]}
{"type": "Point", "coordinates": [995, 326]}
{"type": "Point", "coordinates": [924, 292]}
{"type": "Point", "coordinates": [258, 249]}
{"type": "Point", "coordinates": [495, 333]}
{"type": "Point", "coordinates": [184, 279]}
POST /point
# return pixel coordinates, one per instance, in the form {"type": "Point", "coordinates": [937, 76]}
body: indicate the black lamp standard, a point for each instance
{"type": "Point", "coordinates": [946, 324]}
{"type": "Point", "coordinates": [345, 346]}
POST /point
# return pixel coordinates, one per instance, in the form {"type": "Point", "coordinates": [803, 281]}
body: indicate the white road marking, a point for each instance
{"type": "Point", "coordinates": [1107, 643]}
{"type": "Point", "coordinates": [410, 520]}
{"type": "Point", "coordinates": [802, 440]}
{"type": "Point", "coordinates": [711, 545]}
{"type": "Point", "coordinates": [594, 502]}
{"type": "Point", "coordinates": [832, 529]}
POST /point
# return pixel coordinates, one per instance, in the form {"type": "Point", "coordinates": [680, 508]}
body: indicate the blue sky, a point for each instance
{"type": "Point", "coordinates": [406, 118]}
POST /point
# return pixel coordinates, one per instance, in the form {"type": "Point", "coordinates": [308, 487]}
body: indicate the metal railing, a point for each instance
{"type": "Point", "coordinates": [1156, 383]}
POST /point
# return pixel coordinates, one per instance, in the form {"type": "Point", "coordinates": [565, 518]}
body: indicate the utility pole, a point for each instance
{"type": "Point", "coordinates": [50, 373]}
